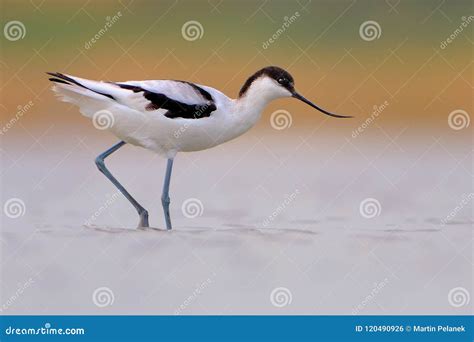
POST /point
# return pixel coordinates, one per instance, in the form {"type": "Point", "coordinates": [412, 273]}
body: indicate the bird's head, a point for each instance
{"type": "Point", "coordinates": [273, 82]}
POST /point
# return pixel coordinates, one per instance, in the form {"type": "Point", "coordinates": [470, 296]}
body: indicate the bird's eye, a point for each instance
{"type": "Point", "coordinates": [282, 81]}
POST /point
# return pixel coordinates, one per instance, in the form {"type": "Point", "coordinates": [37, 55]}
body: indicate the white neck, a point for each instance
{"type": "Point", "coordinates": [250, 105]}
{"type": "Point", "coordinates": [261, 92]}
{"type": "Point", "coordinates": [247, 109]}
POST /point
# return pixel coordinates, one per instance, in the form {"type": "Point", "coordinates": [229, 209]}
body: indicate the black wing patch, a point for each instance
{"type": "Point", "coordinates": [176, 109]}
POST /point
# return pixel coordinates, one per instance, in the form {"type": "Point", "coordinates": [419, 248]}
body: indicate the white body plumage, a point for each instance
{"type": "Point", "coordinates": [133, 123]}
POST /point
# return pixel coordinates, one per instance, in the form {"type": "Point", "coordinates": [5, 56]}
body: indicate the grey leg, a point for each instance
{"type": "Point", "coordinates": [165, 196]}
{"type": "Point", "coordinates": [99, 161]}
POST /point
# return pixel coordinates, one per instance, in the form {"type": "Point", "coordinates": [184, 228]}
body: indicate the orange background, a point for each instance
{"type": "Point", "coordinates": [323, 50]}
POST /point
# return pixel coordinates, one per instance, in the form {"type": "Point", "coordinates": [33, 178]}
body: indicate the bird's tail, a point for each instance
{"type": "Point", "coordinates": [90, 96]}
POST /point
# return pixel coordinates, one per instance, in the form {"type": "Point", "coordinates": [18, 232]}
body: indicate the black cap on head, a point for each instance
{"type": "Point", "coordinates": [283, 77]}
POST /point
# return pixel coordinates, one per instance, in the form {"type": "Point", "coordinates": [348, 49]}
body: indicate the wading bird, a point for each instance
{"type": "Point", "coordinates": [169, 116]}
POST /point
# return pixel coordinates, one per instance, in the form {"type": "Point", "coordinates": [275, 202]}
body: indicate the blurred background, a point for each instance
{"type": "Point", "coordinates": [402, 68]}
{"type": "Point", "coordinates": [407, 65]}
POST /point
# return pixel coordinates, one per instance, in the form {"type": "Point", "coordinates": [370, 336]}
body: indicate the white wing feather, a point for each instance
{"type": "Point", "coordinates": [90, 95]}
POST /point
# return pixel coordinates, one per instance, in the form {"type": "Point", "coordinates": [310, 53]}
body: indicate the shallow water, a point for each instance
{"type": "Point", "coordinates": [231, 257]}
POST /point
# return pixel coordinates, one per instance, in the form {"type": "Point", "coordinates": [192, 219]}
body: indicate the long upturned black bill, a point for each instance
{"type": "Point", "coordinates": [302, 98]}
